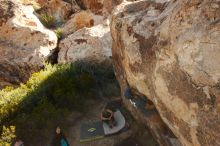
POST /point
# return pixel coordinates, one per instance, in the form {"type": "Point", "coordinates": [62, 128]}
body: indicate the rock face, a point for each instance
{"type": "Point", "coordinates": [24, 42]}
{"type": "Point", "coordinates": [88, 43]}
{"type": "Point", "coordinates": [169, 51]}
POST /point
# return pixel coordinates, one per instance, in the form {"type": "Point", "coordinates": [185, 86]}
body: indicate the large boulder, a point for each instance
{"type": "Point", "coordinates": [169, 51]}
{"type": "Point", "coordinates": [24, 42]}
{"type": "Point", "coordinates": [87, 43]}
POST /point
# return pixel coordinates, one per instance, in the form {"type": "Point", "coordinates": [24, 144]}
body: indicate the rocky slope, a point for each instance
{"type": "Point", "coordinates": [87, 33]}
{"type": "Point", "coordinates": [169, 51]}
{"type": "Point", "coordinates": [24, 42]}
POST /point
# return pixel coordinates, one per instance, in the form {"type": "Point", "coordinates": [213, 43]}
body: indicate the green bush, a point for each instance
{"type": "Point", "coordinates": [7, 136]}
{"type": "Point", "coordinates": [47, 20]}
{"type": "Point", "coordinates": [59, 33]}
{"type": "Point", "coordinates": [52, 93]}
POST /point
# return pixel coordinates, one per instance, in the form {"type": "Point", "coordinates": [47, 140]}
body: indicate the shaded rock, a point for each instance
{"type": "Point", "coordinates": [169, 51]}
{"type": "Point", "coordinates": [88, 43]}
{"type": "Point", "coordinates": [24, 42]}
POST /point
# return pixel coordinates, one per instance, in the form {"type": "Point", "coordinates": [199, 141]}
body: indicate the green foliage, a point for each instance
{"type": "Point", "coordinates": [59, 33]}
{"type": "Point", "coordinates": [7, 136]}
{"type": "Point", "coordinates": [52, 93]}
{"type": "Point", "coordinates": [48, 20]}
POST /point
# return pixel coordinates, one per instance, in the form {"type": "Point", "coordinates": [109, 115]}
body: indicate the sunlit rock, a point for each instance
{"type": "Point", "coordinates": [99, 7]}
{"type": "Point", "coordinates": [60, 10]}
{"type": "Point", "coordinates": [24, 42]}
{"type": "Point", "coordinates": [88, 43]}
{"type": "Point", "coordinates": [80, 20]}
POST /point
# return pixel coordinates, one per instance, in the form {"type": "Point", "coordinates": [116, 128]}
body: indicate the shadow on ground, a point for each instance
{"type": "Point", "coordinates": [50, 97]}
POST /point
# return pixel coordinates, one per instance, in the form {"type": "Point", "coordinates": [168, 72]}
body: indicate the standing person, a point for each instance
{"type": "Point", "coordinates": [59, 138]}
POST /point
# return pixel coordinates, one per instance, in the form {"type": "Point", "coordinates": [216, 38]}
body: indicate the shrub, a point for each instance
{"type": "Point", "coordinates": [65, 86]}
{"type": "Point", "coordinates": [52, 93]}
{"type": "Point", "coordinates": [47, 20]}
{"type": "Point", "coordinates": [59, 33]}
{"type": "Point", "coordinates": [7, 136]}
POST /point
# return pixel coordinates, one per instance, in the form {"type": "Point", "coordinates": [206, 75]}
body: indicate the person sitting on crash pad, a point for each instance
{"type": "Point", "coordinates": [107, 117]}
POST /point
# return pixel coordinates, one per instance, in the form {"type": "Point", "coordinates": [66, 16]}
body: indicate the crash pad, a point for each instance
{"type": "Point", "coordinates": [120, 124]}
{"type": "Point", "coordinates": [91, 131]}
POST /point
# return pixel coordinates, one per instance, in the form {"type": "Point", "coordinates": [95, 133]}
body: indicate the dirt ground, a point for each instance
{"type": "Point", "coordinates": [135, 136]}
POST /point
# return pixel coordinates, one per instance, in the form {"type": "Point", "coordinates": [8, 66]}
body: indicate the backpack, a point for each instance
{"type": "Point", "coordinates": [63, 142]}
